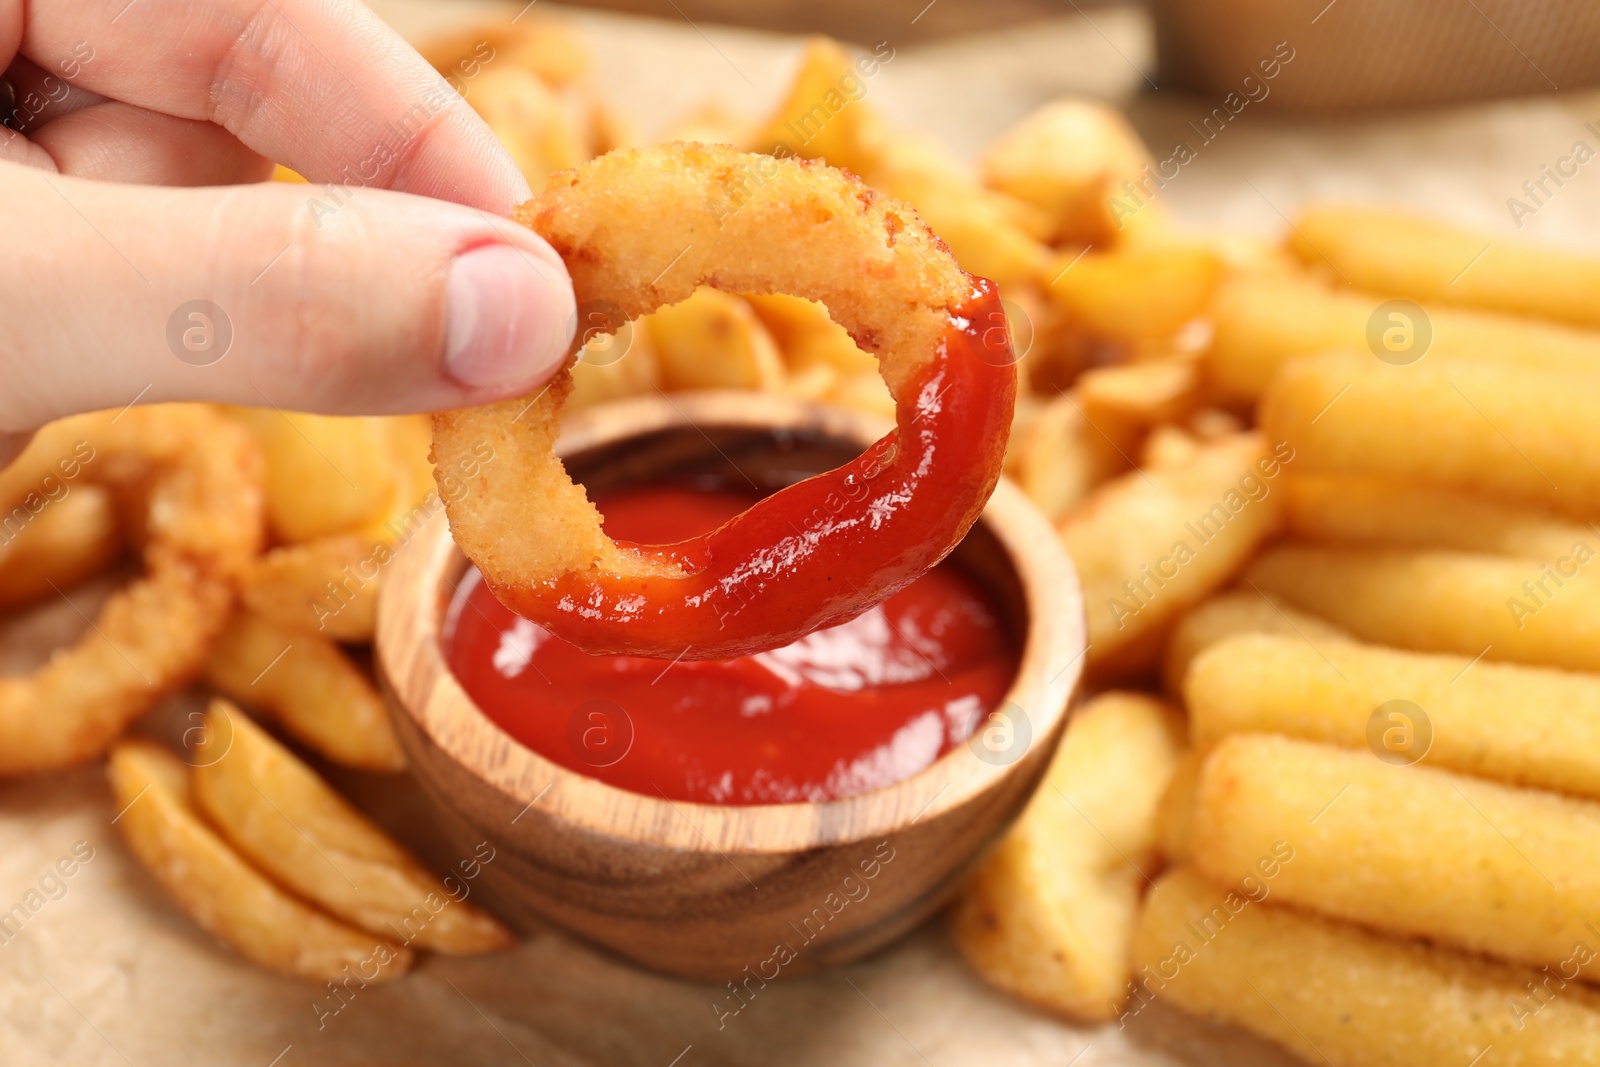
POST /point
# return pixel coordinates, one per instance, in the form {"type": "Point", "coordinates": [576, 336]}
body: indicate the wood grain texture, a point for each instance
{"type": "Point", "coordinates": [706, 890]}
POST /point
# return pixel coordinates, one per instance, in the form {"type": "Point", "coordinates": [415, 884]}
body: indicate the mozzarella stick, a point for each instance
{"type": "Point", "coordinates": [1372, 511]}
{"type": "Point", "coordinates": [1499, 607]}
{"type": "Point", "coordinates": [1244, 611]}
{"type": "Point", "coordinates": [1263, 321]}
{"type": "Point", "coordinates": [1492, 428]}
{"type": "Point", "coordinates": [1412, 851]}
{"type": "Point", "coordinates": [1403, 254]}
{"type": "Point", "coordinates": [1524, 725]}
{"type": "Point", "coordinates": [1336, 994]}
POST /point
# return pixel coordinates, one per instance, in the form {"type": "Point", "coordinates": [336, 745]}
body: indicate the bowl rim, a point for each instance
{"type": "Point", "coordinates": [419, 683]}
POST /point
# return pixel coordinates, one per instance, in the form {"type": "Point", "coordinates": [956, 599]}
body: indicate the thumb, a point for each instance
{"type": "Point", "coordinates": [334, 300]}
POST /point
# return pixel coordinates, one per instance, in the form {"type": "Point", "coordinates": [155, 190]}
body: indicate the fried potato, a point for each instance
{"type": "Point", "coordinates": [1142, 395]}
{"type": "Point", "coordinates": [1263, 321]}
{"type": "Point", "coordinates": [1473, 717]}
{"type": "Point", "coordinates": [615, 366]}
{"type": "Point", "coordinates": [709, 124]}
{"type": "Point", "coordinates": [221, 892]}
{"type": "Point", "coordinates": [1244, 611]}
{"type": "Point", "coordinates": [1383, 250]}
{"type": "Point", "coordinates": [1138, 292]}
{"type": "Point", "coordinates": [1149, 544]}
{"type": "Point", "coordinates": [310, 686]}
{"type": "Point", "coordinates": [1412, 851]}
{"type": "Point", "coordinates": [990, 234]}
{"type": "Point", "coordinates": [1490, 427]}
{"type": "Point", "coordinates": [1501, 608]}
{"type": "Point", "coordinates": [542, 130]}
{"type": "Point", "coordinates": [325, 474]}
{"type": "Point", "coordinates": [863, 392]}
{"type": "Point", "coordinates": [291, 824]}
{"type": "Point", "coordinates": [1050, 915]}
{"type": "Point", "coordinates": [1062, 454]}
{"type": "Point", "coordinates": [1373, 511]}
{"type": "Point", "coordinates": [317, 586]}
{"type": "Point", "coordinates": [1336, 994]}
{"type": "Point", "coordinates": [68, 541]}
{"type": "Point", "coordinates": [552, 48]}
{"type": "Point", "coordinates": [1070, 159]}
{"type": "Point", "coordinates": [713, 341]}
{"type": "Point", "coordinates": [1174, 817]}
{"type": "Point", "coordinates": [808, 337]}
{"type": "Point", "coordinates": [825, 115]}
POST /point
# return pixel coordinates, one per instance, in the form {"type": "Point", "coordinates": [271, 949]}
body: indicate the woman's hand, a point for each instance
{"type": "Point", "coordinates": [391, 283]}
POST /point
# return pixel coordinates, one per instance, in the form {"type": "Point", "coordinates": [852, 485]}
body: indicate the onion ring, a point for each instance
{"type": "Point", "coordinates": [642, 228]}
{"type": "Point", "coordinates": [190, 481]}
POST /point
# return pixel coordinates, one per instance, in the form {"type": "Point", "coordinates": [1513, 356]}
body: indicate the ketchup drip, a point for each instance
{"type": "Point", "coordinates": [841, 711]}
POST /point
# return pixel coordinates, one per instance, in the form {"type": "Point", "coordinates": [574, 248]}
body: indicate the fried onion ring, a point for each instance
{"type": "Point", "coordinates": [191, 480]}
{"type": "Point", "coordinates": [642, 228]}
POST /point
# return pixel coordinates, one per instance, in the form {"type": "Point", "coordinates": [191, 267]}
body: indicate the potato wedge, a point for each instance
{"type": "Point", "coordinates": [1520, 610]}
{"type": "Point", "coordinates": [1474, 717]}
{"type": "Point", "coordinates": [1142, 395]}
{"type": "Point", "coordinates": [1413, 851]}
{"type": "Point", "coordinates": [1262, 321]}
{"type": "Point", "coordinates": [1069, 159]}
{"type": "Point", "coordinates": [291, 824]}
{"type": "Point", "coordinates": [1063, 454]}
{"type": "Point", "coordinates": [1049, 917]}
{"type": "Point", "coordinates": [1373, 511]}
{"type": "Point", "coordinates": [316, 586]}
{"type": "Point", "coordinates": [1243, 611]}
{"type": "Point", "coordinates": [825, 116]}
{"type": "Point", "coordinates": [615, 366]}
{"type": "Point", "coordinates": [68, 541]}
{"type": "Point", "coordinates": [310, 686]}
{"type": "Point", "coordinates": [1140, 292]}
{"type": "Point", "coordinates": [1149, 544]}
{"type": "Point", "coordinates": [1336, 994]}
{"type": "Point", "coordinates": [541, 129]}
{"type": "Point", "coordinates": [221, 892]}
{"type": "Point", "coordinates": [325, 474]}
{"type": "Point", "coordinates": [1383, 250]}
{"type": "Point", "coordinates": [552, 48]}
{"type": "Point", "coordinates": [713, 341]}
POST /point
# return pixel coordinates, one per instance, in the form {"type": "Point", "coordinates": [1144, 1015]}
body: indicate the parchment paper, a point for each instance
{"type": "Point", "coordinates": [110, 974]}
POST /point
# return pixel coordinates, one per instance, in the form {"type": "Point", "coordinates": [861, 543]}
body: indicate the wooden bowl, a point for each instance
{"type": "Point", "coordinates": [705, 890]}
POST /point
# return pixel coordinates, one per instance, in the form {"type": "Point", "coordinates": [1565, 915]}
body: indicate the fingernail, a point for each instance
{"type": "Point", "coordinates": [509, 320]}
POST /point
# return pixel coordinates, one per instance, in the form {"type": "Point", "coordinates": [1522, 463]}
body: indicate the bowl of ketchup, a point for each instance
{"type": "Point", "coordinates": [734, 820]}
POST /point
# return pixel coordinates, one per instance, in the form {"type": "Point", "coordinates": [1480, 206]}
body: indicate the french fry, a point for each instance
{"type": "Point", "coordinates": [1372, 511]}
{"type": "Point", "coordinates": [542, 130]}
{"type": "Point", "coordinates": [825, 115]}
{"type": "Point", "coordinates": [1062, 455]}
{"type": "Point", "coordinates": [1522, 610]}
{"type": "Point", "coordinates": [68, 541]}
{"type": "Point", "coordinates": [1472, 720]}
{"type": "Point", "coordinates": [221, 892]}
{"type": "Point", "coordinates": [1262, 321]}
{"type": "Point", "coordinates": [325, 474]}
{"type": "Point", "coordinates": [1336, 994]}
{"type": "Point", "coordinates": [288, 822]}
{"type": "Point", "coordinates": [713, 341]}
{"type": "Point", "coordinates": [1138, 292]}
{"type": "Point", "coordinates": [1412, 851]}
{"type": "Point", "coordinates": [310, 686]}
{"type": "Point", "coordinates": [1383, 250]}
{"type": "Point", "coordinates": [1489, 427]}
{"type": "Point", "coordinates": [1069, 159]}
{"type": "Point", "coordinates": [1141, 395]}
{"type": "Point", "coordinates": [1149, 544]}
{"type": "Point", "coordinates": [1244, 611]}
{"type": "Point", "coordinates": [1050, 915]}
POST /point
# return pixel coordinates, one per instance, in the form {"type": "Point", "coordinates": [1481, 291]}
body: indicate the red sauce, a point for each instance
{"type": "Point", "coordinates": [841, 711]}
{"type": "Point", "coordinates": [826, 548]}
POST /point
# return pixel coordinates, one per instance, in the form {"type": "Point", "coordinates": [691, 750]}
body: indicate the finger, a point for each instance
{"type": "Point", "coordinates": [386, 303]}
{"type": "Point", "coordinates": [41, 97]}
{"type": "Point", "coordinates": [119, 142]}
{"type": "Point", "coordinates": [320, 85]}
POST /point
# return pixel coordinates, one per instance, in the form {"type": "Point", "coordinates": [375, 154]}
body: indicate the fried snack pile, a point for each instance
{"type": "Point", "coordinates": [815, 553]}
{"type": "Point", "coordinates": [1332, 504]}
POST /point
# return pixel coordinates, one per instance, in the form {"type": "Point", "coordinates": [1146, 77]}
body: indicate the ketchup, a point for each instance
{"type": "Point", "coordinates": [841, 711]}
